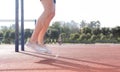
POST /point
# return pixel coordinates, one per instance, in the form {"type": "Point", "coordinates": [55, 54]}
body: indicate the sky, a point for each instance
{"type": "Point", "coordinates": [106, 11]}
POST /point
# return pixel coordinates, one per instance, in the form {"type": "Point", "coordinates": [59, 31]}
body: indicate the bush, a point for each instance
{"type": "Point", "coordinates": [86, 41]}
{"type": "Point", "coordinates": [93, 38]}
{"type": "Point", "coordinates": [106, 41]}
{"type": "Point", "coordinates": [74, 36]}
{"type": "Point", "coordinates": [118, 39]}
{"type": "Point", "coordinates": [82, 37]}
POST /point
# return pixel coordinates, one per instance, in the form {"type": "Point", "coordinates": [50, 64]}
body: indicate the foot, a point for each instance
{"type": "Point", "coordinates": [38, 48]}
{"type": "Point", "coordinates": [44, 49]}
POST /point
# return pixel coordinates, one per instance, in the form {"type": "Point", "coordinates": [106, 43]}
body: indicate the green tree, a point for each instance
{"type": "Point", "coordinates": [66, 29]}
{"type": "Point", "coordinates": [63, 36]}
{"type": "Point", "coordinates": [1, 36]}
{"type": "Point", "coordinates": [96, 31]}
{"type": "Point", "coordinates": [74, 36]}
{"type": "Point", "coordinates": [86, 30]}
{"type": "Point", "coordinates": [4, 28]}
{"type": "Point", "coordinates": [83, 24]}
{"type": "Point", "coordinates": [82, 37]}
{"type": "Point", "coordinates": [116, 32]}
{"type": "Point", "coordinates": [12, 36]}
{"type": "Point", "coordinates": [94, 24]}
{"type": "Point", "coordinates": [88, 36]}
{"type": "Point", "coordinates": [93, 38]}
{"type": "Point", "coordinates": [102, 36]}
{"type": "Point", "coordinates": [7, 37]}
{"type": "Point", "coordinates": [54, 34]}
{"type": "Point", "coordinates": [105, 31]}
{"type": "Point", "coordinates": [28, 33]}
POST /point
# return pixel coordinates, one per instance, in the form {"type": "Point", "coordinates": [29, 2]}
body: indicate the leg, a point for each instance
{"type": "Point", "coordinates": [49, 10]}
{"type": "Point", "coordinates": [38, 28]}
{"type": "Point", "coordinates": [43, 21]}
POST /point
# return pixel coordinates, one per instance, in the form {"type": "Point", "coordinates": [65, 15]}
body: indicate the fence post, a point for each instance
{"type": "Point", "coordinates": [16, 25]}
{"type": "Point", "coordinates": [22, 25]}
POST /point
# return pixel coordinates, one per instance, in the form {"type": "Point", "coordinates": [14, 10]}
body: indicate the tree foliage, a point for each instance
{"type": "Point", "coordinates": [69, 32]}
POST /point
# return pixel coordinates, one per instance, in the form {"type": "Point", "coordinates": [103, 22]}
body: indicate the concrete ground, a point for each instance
{"type": "Point", "coordinates": [72, 58]}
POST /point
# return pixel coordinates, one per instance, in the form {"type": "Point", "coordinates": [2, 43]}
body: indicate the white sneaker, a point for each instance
{"type": "Point", "coordinates": [38, 48]}
{"type": "Point", "coordinates": [44, 49]}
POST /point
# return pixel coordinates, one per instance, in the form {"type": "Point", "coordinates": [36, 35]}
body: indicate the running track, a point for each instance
{"type": "Point", "coordinates": [72, 58]}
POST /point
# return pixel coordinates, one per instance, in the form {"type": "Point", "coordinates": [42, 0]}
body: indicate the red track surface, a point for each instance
{"type": "Point", "coordinates": [73, 58]}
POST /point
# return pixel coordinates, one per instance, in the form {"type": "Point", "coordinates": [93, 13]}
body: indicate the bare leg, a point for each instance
{"type": "Point", "coordinates": [43, 21]}
{"type": "Point", "coordinates": [49, 10]}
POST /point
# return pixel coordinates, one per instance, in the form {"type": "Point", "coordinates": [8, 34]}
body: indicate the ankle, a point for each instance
{"type": "Point", "coordinates": [32, 41]}
{"type": "Point", "coordinates": [40, 44]}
